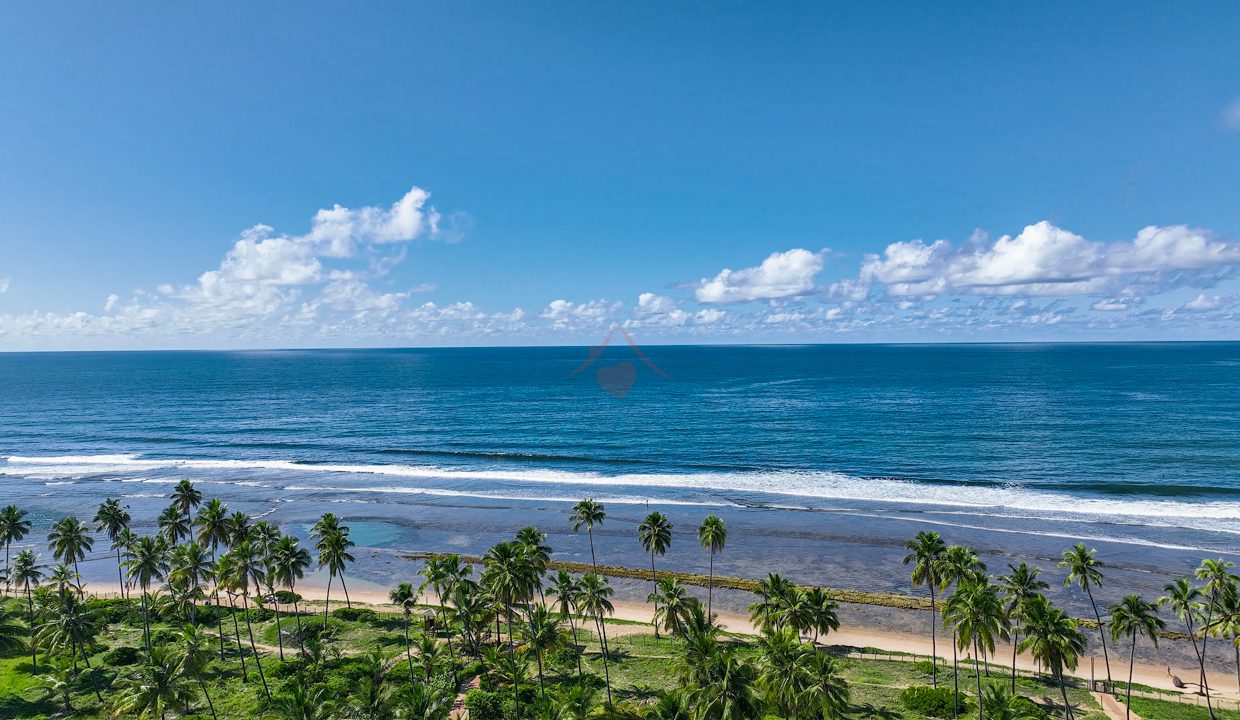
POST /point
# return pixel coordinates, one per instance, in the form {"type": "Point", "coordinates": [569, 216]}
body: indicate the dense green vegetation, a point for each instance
{"type": "Point", "coordinates": [210, 625]}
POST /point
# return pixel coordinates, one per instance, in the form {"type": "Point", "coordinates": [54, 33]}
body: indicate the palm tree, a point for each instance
{"type": "Point", "coordinates": [174, 525]}
{"type": "Point", "coordinates": [1185, 601]}
{"type": "Point", "coordinates": [542, 634]}
{"type": "Point", "coordinates": [1134, 616]}
{"type": "Point", "coordinates": [194, 654]}
{"type": "Point", "coordinates": [60, 684]}
{"type": "Point", "coordinates": [1216, 574]}
{"type": "Point", "coordinates": [827, 693]}
{"type": "Point", "coordinates": [1086, 571]}
{"type": "Point", "coordinates": [125, 540]}
{"type": "Point", "coordinates": [1001, 704]}
{"type": "Point", "coordinates": [237, 528]}
{"type": "Point", "coordinates": [405, 597]}
{"type": "Point", "coordinates": [69, 541]}
{"type": "Point", "coordinates": [822, 617]}
{"type": "Point", "coordinates": [301, 701]}
{"type": "Point", "coordinates": [27, 573]}
{"type": "Point", "coordinates": [586, 514]}
{"type": "Point", "coordinates": [289, 562]}
{"type": "Point", "coordinates": [13, 528]}
{"type": "Point", "coordinates": [247, 568]}
{"type": "Point", "coordinates": [655, 534]}
{"type": "Point", "coordinates": [189, 567]}
{"type": "Point", "coordinates": [112, 519]}
{"type": "Point", "coordinates": [782, 652]}
{"type": "Point", "coordinates": [925, 552]}
{"type": "Point", "coordinates": [771, 593]}
{"type": "Point", "coordinates": [69, 625]}
{"type": "Point", "coordinates": [959, 564]}
{"type": "Point", "coordinates": [713, 536]}
{"type": "Point", "coordinates": [11, 632]}
{"type": "Point", "coordinates": [185, 498]}
{"type": "Point", "coordinates": [428, 656]}
{"type": "Point", "coordinates": [1054, 640]}
{"type": "Point", "coordinates": [332, 543]}
{"type": "Point", "coordinates": [149, 563]}
{"type": "Point", "coordinates": [509, 575]}
{"type": "Point", "coordinates": [538, 552]}
{"type": "Point", "coordinates": [212, 522]}
{"type": "Point", "coordinates": [226, 573]}
{"type": "Point", "coordinates": [152, 687]}
{"type": "Point", "coordinates": [565, 589]}
{"type": "Point", "coordinates": [595, 599]}
{"type": "Point", "coordinates": [977, 616]}
{"type": "Point", "coordinates": [1019, 586]}
{"type": "Point", "coordinates": [733, 695]}
{"type": "Point", "coordinates": [671, 602]}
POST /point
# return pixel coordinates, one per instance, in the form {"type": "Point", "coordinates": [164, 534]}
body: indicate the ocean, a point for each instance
{"type": "Point", "coordinates": [822, 459]}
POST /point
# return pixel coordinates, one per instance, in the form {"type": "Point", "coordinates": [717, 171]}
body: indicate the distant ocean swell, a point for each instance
{"type": "Point", "coordinates": [690, 488]}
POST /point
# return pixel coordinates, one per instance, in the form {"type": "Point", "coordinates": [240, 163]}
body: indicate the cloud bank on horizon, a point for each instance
{"type": "Point", "coordinates": [320, 289]}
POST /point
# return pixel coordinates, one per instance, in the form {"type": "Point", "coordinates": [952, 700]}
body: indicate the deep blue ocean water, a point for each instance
{"type": "Point", "coordinates": [1135, 445]}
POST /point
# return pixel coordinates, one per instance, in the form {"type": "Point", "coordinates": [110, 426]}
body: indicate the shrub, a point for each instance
{"type": "Point", "coordinates": [924, 667]}
{"type": "Point", "coordinates": [484, 705]}
{"type": "Point", "coordinates": [1029, 709]}
{"type": "Point", "coordinates": [120, 656]}
{"type": "Point", "coordinates": [933, 702]}
{"type": "Point", "coordinates": [260, 615]}
{"type": "Point", "coordinates": [116, 611]}
{"type": "Point", "coordinates": [356, 615]}
{"type": "Point", "coordinates": [163, 636]}
{"type": "Point", "coordinates": [284, 597]}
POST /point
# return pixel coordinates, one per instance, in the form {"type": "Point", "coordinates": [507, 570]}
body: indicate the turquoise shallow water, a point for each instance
{"type": "Point", "coordinates": [1135, 446]}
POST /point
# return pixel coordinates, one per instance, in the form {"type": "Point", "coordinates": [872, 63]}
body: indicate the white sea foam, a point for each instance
{"type": "Point", "coordinates": [820, 485]}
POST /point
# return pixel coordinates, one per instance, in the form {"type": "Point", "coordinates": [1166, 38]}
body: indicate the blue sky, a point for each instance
{"type": "Point", "coordinates": [539, 172]}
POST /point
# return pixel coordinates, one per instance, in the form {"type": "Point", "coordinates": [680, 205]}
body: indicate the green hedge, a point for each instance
{"type": "Point", "coordinates": [933, 702]}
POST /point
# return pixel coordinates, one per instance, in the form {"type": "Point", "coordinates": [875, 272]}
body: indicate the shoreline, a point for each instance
{"type": "Point", "coordinates": [849, 635]}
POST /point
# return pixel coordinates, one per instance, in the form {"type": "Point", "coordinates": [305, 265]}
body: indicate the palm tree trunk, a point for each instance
{"type": "Point", "coordinates": [232, 610]}
{"type": "Point", "coordinates": [654, 579]}
{"type": "Point", "coordinates": [120, 576]}
{"type": "Point", "coordinates": [347, 601]}
{"type": "Point", "coordinates": [245, 598]}
{"type": "Point", "coordinates": [710, 589]}
{"type": "Point", "coordinates": [1101, 632]}
{"type": "Point", "coordinates": [279, 631]}
{"type": "Point", "coordinates": [606, 670]}
{"type": "Point", "coordinates": [34, 658]}
{"type": "Point", "coordinates": [573, 628]}
{"type": "Point", "coordinates": [146, 621]}
{"type": "Point", "coordinates": [1063, 690]}
{"type": "Point", "coordinates": [408, 651]}
{"type": "Point", "coordinates": [1205, 635]}
{"type": "Point", "coordinates": [7, 578]}
{"type": "Point", "coordinates": [327, 603]}
{"type": "Point", "coordinates": [978, 676]}
{"type": "Point", "coordinates": [593, 561]}
{"type": "Point", "coordinates": [934, 649]}
{"type": "Point", "coordinates": [1132, 658]}
{"type": "Point", "coordinates": [1015, 645]}
{"type": "Point", "coordinates": [215, 590]}
{"type": "Point", "coordinates": [512, 655]}
{"type": "Point", "coordinates": [955, 674]}
{"type": "Point", "coordinates": [542, 688]}
{"type": "Point", "coordinates": [207, 695]}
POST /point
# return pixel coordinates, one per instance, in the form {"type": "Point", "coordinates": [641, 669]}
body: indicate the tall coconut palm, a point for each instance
{"type": "Point", "coordinates": [1019, 586]}
{"type": "Point", "coordinates": [152, 687]}
{"type": "Point", "coordinates": [1085, 570]}
{"type": "Point", "coordinates": [822, 617]}
{"type": "Point", "coordinates": [959, 564]}
{"type": "Point", "coordinates": [713, 535]}
{"type": "Point", "coordinates": [509, 575]}
{"type": "Point", "coordinates": [69, 625]}
{"type": "Point", "coordinates": [190, 566]}
{"type": "Point", "coordinates": [564, 589]}
{"type": "Point", "coordinates": [733, 695]}
{"type": "Point", "coordinates": [771, 593]}
{"type": "Point", "coordinates": [212, 522]}
{"type": "Point", "coordinates": [247, 572]}
{"type": "Point", "coordinates": [289, 562]}
{"type": "Point", "coordinates": [542, 634]}
{"type": "Point", "coordinates": [227, 569]}
{"type": "Point", "coordinates": [976, 613]}
{"type": "Point", "coordinates": [1132, 617]}
{"type": "Point", "coordinates": [13, 528]}
{"type": "Point", "coordinates": [405, 597]}
{"type": "Point", "coordinates": [125, 540]}
{"type": "Point", "coordinates": [925, 553]}
{"type": "Point", "coordinates": [333, 543]}
{"type": "Point", "coordinates": [186, 498]}
{"type": "Point", "coordinates": [149, 564]}
{"type": "Point", "coordinates": [194, 654]}
{"type": "Point", "coordinates": [1184, 599]}
{"type": "Point", "coordinates": [538, 553]}
{"type": "Point", "coordinates": [112, 519]}
{"type": "Point", "coordinates": [781, 652]}
{"type": "Point", "coordinates": [1217, 576]}
{"type": "Point", "coordinates": [27, 573]}
{"type": "Point", "coordinates": [671, 602]}
{"type": "Point", "coordinates": [595, 599]}
{"type": "Point", "coordinates": [69, 542]}
{"type": "Point", "coordinates": [586, 514]}
{"type": "Point", "coordinates": [655, 534]}
{"type": "Point", "coordinates": [1054, 640]}
{"type": "Point", "coordinates": [174, 525]}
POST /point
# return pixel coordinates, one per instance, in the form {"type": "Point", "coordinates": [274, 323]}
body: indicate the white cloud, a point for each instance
{"type": "Point", "coordinates": [1203, 303]}
{"type": "Point", "coordinates": [782, 275]}
{"type": "Point", "coordinates": [1043, 260]}
{"type": "Point", "coordinates": [110, 304]}
{"type": "Point", "coordinates": [565, 315]}
{"type": "Point", "coordinates": [1231, 115]}
{"type": "Point", "coordinates": [709, 316]}
{"type": "Point", "coordinates": [4, 285]}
